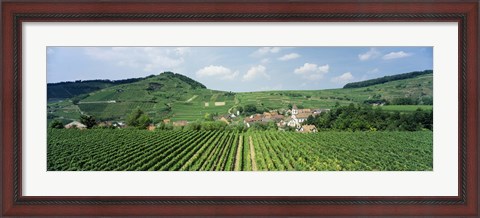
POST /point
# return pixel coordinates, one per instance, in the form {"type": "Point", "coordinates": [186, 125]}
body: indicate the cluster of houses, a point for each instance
{"type": "Point", "coordinates": [293, 118]}
{"type": "Point", "coordinates": [78, 125]}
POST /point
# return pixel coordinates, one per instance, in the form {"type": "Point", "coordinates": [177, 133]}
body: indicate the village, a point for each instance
{"type": "Point", "coordinates": [292, 119]}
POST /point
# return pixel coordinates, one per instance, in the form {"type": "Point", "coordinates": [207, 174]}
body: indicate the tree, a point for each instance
{"type": "Point", "coordinates": [88, 121]}
{"type": "Point", "coordinates": [258, 126]}
{"type": "Point", "coordinates": [310, 120]}
{"type": "Point", "coordinates": [143, 121]}
{"type": "Point", "coordinates": [250, 109]}
{"type": "Point", "coordinates": [213, 125]}
{"type": "Point", "coordinates": [208, 117]}
{"type": "Point", "coordinates": [56, 125]}
{"type": "Point", "coordinates": [271, 125]}
{"type": "Point", "coordinates": [138, 119]}
{"type": "Point", "coordinates": [237, 127]}
{"type": "Point", "coordinates": [240, 109]}
{"type": "Point", "coordinates": [403, 101]}
{"type": "Point", "coordinates": [193, 126]}
{"type": "Point", "coordinates": [78, 98]}
{"type": "Point", "coordinates": [132, 119]}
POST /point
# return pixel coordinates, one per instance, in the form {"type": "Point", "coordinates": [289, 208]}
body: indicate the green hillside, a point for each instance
{"type": "Point", "coordinates": [174, 96]}
{"type": "Point", "coordinates": [385, 79]}
{"type": "Point", "coordinates": [167, 95]}
{"type": "Point", "coordinates": [418, 89]}
{"type": "Point", "coordinates": [64, 90]}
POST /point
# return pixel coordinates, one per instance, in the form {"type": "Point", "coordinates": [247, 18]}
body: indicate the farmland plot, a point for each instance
{"type": "Point", "coordinates": [140, 150]}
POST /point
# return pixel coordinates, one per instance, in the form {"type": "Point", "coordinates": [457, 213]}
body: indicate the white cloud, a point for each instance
{"type": "Point", "coordinates": [264, 51]}
{"type": "Point", "coordinates": [312, 71]}
{"type": "Point", "coordinates": [344, 78]}
{"type": "Point", "coordinates": [256, 72]}
{"type": "Point", "coordinates": [148, 59]}
{"type": "Point", "coordinates": [290, 56]}
{"type": "Point", "coordinates": [220, 72]}
{"type": "Point", "coordinates": [395, 55]}
{"type": "Point", "coordinates": [370, 54]}
{"type": "Point", "coordinates": [265, 61]}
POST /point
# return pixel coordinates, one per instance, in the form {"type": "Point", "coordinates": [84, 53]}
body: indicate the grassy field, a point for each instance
{"type": "Point", "coordinates": [406, 108]}
{"type": "Point", "coordinates": [140, 150]}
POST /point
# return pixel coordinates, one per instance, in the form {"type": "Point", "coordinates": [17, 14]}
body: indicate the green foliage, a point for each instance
{"type": "Point", "coordinates": [427, 100]}
{"type": "Point", "coordinates": [364, 118]}
{"type": "Point", "coordinates": [137, 150]}
{"type": "Point", "coordinates": [163, 126]}
{"type": "Point", "coordinates": [78, 98]}
{"type": "Point", "coordinates": [257, 126]}
{"type": "Point", "coordinates": [143, 121]}
{"type": "Point", "coordinates": [229, 94]}
{"type": "Point", "coordinates": [88, 121]}
{"type": "Point", "coordinates": [310, 120]}
{"type": "Point", "coordinates": [239, 109]}
{"type": "Point", "coordinates": [403, 101]}
{"type": "Point", "coordinates": [154, 86]}
{"type": "Point", "coordinates": [194, 84]}
{"type": "Point", "coordinates": [386, 79]}
{"type": "Point", "coordinates": [70, 89]}
{"type": "Point", "coordinates": [250, 109]}
{"type": "Point", "coordinates": [56, 124]}
{"type": "Point", "coordinates": [375, 101]}
{"type": "Point", "coordinates": [213, 125]}
{"type": "Point", "coordinates": [138, 119]}
{"type": "Point", "coordinates": [208, 117]}
{"type": "Point", "coordinates": [236, 127]}
{"type": "Point", "coordinates": [271, 125]}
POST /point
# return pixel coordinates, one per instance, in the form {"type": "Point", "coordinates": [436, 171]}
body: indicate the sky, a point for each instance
{"type": "Point", "coordinates": [239, 69]}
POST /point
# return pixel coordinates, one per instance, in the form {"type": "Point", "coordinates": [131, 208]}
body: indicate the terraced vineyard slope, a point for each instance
{"type": "Point", "coordinates": [177, 97]}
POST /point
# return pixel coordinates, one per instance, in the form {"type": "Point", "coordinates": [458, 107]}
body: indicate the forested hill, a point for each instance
{"type": "Point", "coordinates": [63, 90]}
{"type": "Point", "coordinates": [385, 79]}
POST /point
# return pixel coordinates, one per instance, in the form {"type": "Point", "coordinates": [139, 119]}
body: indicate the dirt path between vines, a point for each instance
{"type": "Point", "coordinates": [191, 99]}
{"type": "Point", "coordinates": [238, 166]}
{"type": "Point", "coordinates": [252, 154]}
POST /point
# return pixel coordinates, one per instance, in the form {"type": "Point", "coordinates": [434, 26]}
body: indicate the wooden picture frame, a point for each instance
{"type": "Point", "coordinates": [14, 13]}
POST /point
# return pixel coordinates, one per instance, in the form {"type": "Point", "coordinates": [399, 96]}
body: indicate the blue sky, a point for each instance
{"type": "Point", "coordinates": [239, 69]}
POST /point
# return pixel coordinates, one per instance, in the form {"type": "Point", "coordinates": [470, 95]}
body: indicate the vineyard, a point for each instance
{"type": "Point", "coordinates": [139, 150]}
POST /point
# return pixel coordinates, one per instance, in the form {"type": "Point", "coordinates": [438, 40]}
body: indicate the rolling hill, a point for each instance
{"type": "Point", "coordinates": [165, 95]}
{"type": "Point", "coordinates": [418, 88]}
{"type": "Point", "coordinates": [174, 96]}
{"type": "Point", "coordinates": [64, 90]}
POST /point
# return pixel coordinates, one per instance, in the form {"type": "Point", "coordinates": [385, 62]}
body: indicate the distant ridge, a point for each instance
{"type": "Point", "coordinates": [63, 90]}
{"type": "Point", "coordinates": [385, 79]}
{"type": "Point", "coordinates": [71, 89]}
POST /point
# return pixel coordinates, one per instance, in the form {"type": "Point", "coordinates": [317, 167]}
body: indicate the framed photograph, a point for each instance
{"type": "Point", "coordinates": [207, 108]}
